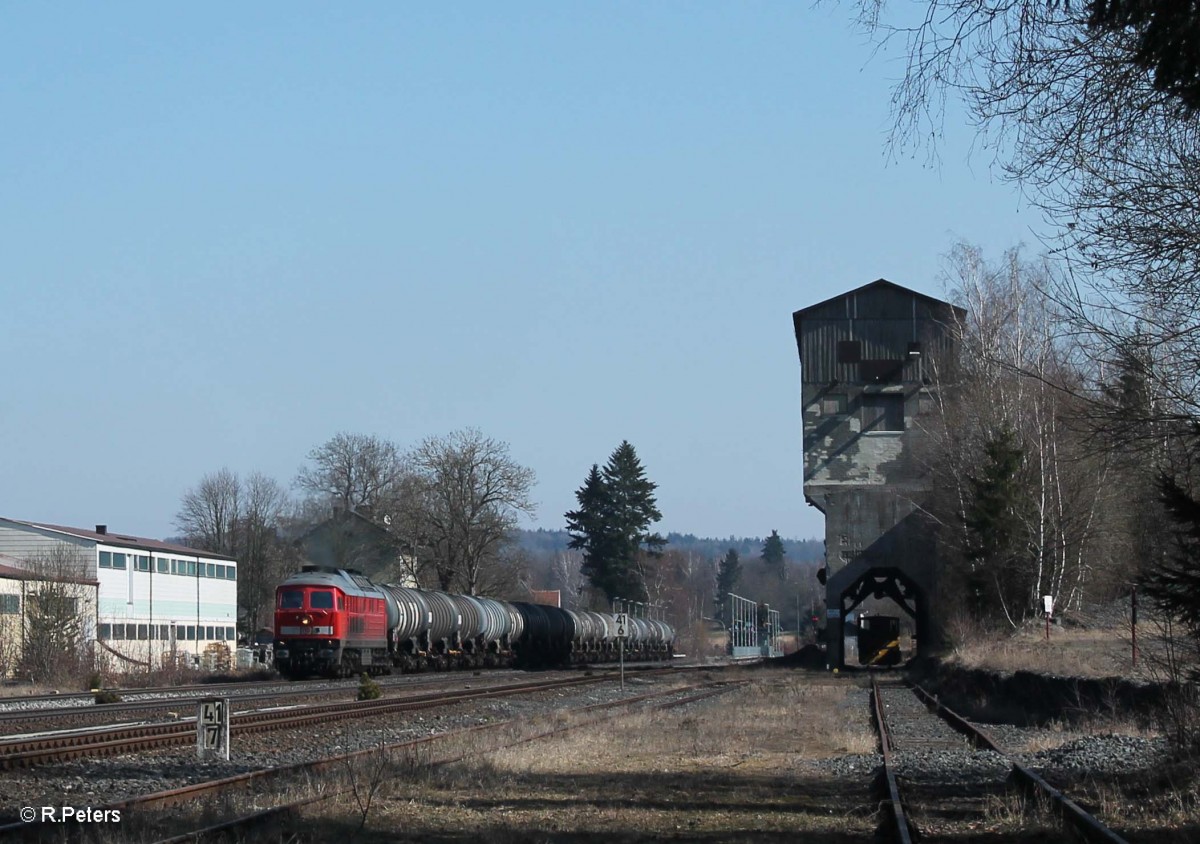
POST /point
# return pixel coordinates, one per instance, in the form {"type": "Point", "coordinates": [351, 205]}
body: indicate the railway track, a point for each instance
{"type": "Point", "coordinates": [29, 721]}
{"type": "Point", "coordinates": [72, 744]}
{"type": "Point", "coordinates": [912, 724]}
{"type": "Point", "coordinates": [151, 811]}
{"type": "Point", "coordinates": [15, 708]}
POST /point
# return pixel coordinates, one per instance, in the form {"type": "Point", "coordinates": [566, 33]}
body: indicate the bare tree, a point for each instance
{"type": "Point", "coordinates": [59, 616]}
{"type": "Point", "coordinates": [263, 559]}
{"type": "Point", "coordinates": [566, 569]}
{"type": "Point", "coordinates": [1083, 118]}
{"type": "Point", "coordinates": [466, 499]}
{"type": "Point", "coordinates": [238, 518]}
{"type": "Point", "coordinates": [1022, 495]}
{"type": "Point", "coordinates": [210, 512]}
{"type": "Point", "coordinates": [358, 472]}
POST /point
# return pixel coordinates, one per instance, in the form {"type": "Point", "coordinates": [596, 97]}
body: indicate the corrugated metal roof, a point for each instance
{"type": "Point", "coordinates": [121, 540]}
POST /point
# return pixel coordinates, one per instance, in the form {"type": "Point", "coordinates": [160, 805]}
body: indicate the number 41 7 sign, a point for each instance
{"type": "Point", "coordinates": [212, 729]}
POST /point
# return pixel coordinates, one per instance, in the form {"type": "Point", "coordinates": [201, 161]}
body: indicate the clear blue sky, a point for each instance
{"type": "Point", "coordinates": [228, 232]}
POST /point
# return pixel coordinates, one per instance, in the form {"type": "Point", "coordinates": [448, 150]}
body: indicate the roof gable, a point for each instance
{"type": "Point", "coordinates": [877, 284]}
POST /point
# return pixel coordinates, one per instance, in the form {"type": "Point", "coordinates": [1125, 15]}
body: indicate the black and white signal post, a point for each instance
{"type": "Point", "coordinates": [212, 729]}
{"type": "Point", "coordinates": [622, 632]}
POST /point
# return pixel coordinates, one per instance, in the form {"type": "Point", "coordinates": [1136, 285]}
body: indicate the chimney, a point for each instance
{"type": "Point", "coordinates": [101, 529]}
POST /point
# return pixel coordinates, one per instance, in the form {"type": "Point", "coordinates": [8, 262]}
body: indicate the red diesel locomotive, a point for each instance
{"type": "Point", "coordinates": [325, 615]}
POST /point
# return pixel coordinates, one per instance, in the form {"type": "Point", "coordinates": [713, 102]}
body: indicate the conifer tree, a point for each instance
{"type": "Point", "coordinates": [589, 526]}
{"type": "Point", "coordinates": [728, 574]}
{"type": "Point", "coordinates": [1174, 585]}
{"type": "Point", "coordinates": [993, 520]}
{"type": "Point", "coordinates": [612, 525]}
{"type": "Point", "coordinates": [773, 554]}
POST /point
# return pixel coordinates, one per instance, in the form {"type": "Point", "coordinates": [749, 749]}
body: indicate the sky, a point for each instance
{"type": "Point", "coordinates": [231, 231]}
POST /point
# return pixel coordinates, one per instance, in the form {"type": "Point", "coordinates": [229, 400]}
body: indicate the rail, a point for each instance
{"type": "Point", "coordinates": [1072, 813]}
{"type": "Point", "coordinates": [259, 779]}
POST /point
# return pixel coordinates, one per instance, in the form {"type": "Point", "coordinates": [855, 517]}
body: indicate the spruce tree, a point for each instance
{"type": "Point", "coordinates": [612, 525]}
{"type": "Point", "coordinates": [728, 574]}
{"type": "Point", "coordinates": [993, 520]}
{"type": "Point", "coordinates": [1174, 584]}
{"type": "Point", "coordinates": [589, 525]}
{"type": "Point", "coordinates": [773, 553]}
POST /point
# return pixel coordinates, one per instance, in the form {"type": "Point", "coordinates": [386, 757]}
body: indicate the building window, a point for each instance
{"type": "Point", "coordinates": [118, 561]}
{"type": "Point", "coordinates": [104, 632]}
{"type": "Point", "coordinates": [163, 565]}
{"type": "Point", "coordinates": [209, 634]}
{"type": "Point", "coordinates": [881, 371]}
{"type": "Point", "coordinates": [849, 351]}
{"type": "Point", "coordinates": [118, 631]}
{"type": "Point", "coordinates": [190, 634]}
{"type": "Point", "coordinates": [143, 632]}
{"type": "Point", "coordinates": [230, 634]}
{"type": "Point", "coordinates": [833, 404]}
{"type": "Point", "coordinates": [212, 569]}
{"type": "Point", "coordinates": [53, 605]}
{"type": "Point", "coordinates": [882, 412]}
{"type": "Point", "coordinates": [143, 563]}
{"type": "Point", "coordinates": [191, 568]}
{"type": "Point", "coordinates": [105, 559]}
{"type": "Point", "coordinates": [230, 573]}
{"type": "Point", "coordinates": [131, 632]}
{"type": "Point", "coordinates": [10, 604]}
{"type": "Point", "coordinates": [164, 632]}
{"type": "Point", "coordinates": [220, 572]}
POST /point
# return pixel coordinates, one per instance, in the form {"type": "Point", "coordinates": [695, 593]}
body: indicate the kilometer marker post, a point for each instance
{"type": "Point", "coordinates": [622, 631]}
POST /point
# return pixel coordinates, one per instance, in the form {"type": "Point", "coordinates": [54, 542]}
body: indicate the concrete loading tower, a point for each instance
{"type": "Point", "coordinates": [872, 361]}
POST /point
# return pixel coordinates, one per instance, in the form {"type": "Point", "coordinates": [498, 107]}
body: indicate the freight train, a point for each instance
{"type": "Point", "coordinates": [334, 622]}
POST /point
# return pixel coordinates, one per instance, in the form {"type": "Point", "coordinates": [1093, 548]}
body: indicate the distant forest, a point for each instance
{"type": "Point", "coordinates": [542, 541]}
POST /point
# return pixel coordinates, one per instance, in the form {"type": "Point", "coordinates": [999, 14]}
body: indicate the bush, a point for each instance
{"type": "Point", "coordinates": [107, 696]}
{"type": "Point", "coordinates": [368, 689]}
{"type": "Point", "coordinates": [94, 682]}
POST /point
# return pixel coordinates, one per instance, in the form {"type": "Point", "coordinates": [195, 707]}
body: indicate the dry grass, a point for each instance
{"type": "Point", "coordinates": [1078, 653]}
{"type": "Point", "coordinates": [1170, 810]}
{"type": "Point", "coordinates": [735, 768]}
{"type": "Point", "coordinates": [1016, 810]}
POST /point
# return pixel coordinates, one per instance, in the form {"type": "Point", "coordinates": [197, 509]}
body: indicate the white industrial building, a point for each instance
{"type": "Point", "coordinates": [156, 601]}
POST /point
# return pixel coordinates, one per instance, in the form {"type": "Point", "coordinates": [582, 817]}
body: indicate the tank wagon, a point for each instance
{"type": "Point", "coordinates": [337, 622]}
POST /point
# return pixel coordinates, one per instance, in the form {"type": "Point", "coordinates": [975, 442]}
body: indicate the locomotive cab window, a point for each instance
{"type": "Point", "coordinates": [320, 600]}
{"type": "Point", "coordinates": [292, 599]}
